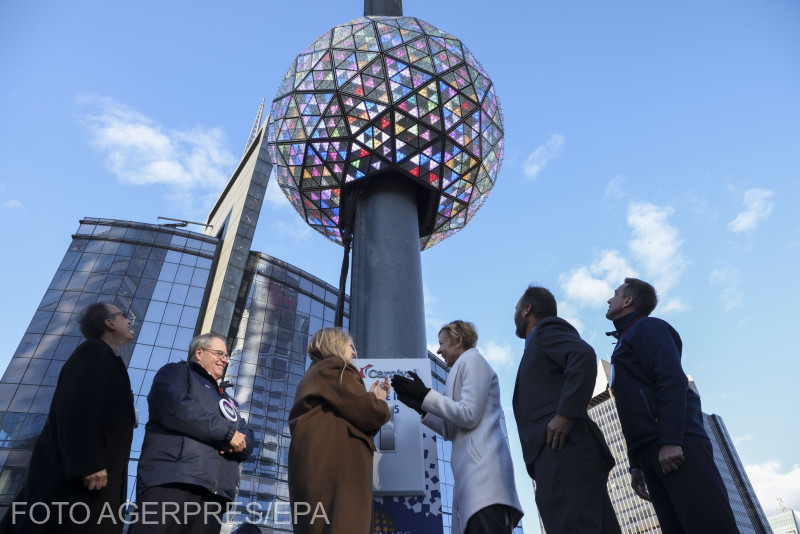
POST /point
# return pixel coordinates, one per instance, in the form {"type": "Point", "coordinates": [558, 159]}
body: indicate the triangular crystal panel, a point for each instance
{"type": "Point", "coordinates": [443, 59]}
{"type": "Point", "coordinates": [321, 43]}
{"type": "Point", "coordinates": [365, 38]}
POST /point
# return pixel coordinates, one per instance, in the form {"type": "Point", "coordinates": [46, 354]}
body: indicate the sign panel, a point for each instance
{"type": "Point", "coordinates": [398, 467]}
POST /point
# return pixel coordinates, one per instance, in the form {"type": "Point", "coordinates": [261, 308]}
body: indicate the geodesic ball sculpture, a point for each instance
{"type": "Point", "coordinates": [386, 93]}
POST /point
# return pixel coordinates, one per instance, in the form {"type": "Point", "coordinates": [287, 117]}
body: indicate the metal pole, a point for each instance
{"type": "Point", "coordinates": [386, 8]}
{"type": "Point", "coordinates": [387, 311]}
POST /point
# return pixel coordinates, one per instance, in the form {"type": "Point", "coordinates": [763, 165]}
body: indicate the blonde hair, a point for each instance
{"type": "Point", "coordinates": [330, 343]}
{"type": "Point", "coordinates": [463, 330]}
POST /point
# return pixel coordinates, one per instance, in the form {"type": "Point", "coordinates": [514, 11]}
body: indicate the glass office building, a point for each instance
{"type": "Point", "coordinates": [749, 514]}
{"type": "Point", "coordinates": [787, 521]}
{"type": "Point", "coordinates": [157, 273]}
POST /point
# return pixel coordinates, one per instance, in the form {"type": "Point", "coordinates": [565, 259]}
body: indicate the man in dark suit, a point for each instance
{"type": "Point", "coordinates": [672, 463]}
{"type": "Point", "coordinates": [79, 465]}
{"type": "Point", "coordinates": [564, 450]}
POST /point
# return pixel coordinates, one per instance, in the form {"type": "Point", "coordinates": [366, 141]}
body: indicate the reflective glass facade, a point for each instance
{"type": "Point", "coordinates": [786, 522]}
{"type": "Point", "coordinates": [750, 517]}
{"type": "Point", "coordinates": [157, 273]}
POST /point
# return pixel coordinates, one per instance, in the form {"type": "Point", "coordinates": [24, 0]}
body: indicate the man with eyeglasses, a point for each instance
{"type": "Point", "coordinates": [193, 445]}
{"type": "Point", "coordinates": [79, 466]}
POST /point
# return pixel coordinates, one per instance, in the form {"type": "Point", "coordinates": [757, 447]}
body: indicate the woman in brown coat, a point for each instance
{"type": "Point", "coordinates": [332, 423]}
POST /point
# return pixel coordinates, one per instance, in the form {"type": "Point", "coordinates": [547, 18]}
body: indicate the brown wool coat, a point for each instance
{"type": "Point", "coordinates": [332, 424]}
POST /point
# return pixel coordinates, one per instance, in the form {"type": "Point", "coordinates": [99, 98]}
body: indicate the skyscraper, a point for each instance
{"type": "Point", "coordinates": [787, 521]}
{"type": "Point", "coordinates": [747, 510]}
{"type": "Point", "coordinates": [637, 516]}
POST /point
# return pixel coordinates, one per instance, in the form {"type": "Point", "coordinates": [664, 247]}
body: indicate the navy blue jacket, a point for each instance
{"type": "Point", "coordinates": [654, 400]}
{"type": "Point", "coordinates": [556, 376]}
{"type": "Point", "coordinates": [186, 431]}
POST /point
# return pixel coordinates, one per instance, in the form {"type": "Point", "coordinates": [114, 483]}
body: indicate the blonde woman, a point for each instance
{"type": "Point", "coordinates": [332, 422]}
{"type": "Point", "coordinates": [469, 414]}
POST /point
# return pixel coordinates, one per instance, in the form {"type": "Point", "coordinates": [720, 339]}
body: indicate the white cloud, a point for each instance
{"type": "Point", "coordinates": [756, 206]}
{"type": "Point", "coordinates": [540, 157]}
{"type": "Point", "coordinates": [655, 244]}
{"type": "Point", "coordinates": [771, 484]}
{"type": "Point", "coordinates": [614, 188]}
{"type": "Point", "coordinates": [274, 195]}
{"type": "Point", "coordinates": [12, 204]}
{"type": "Point", "coordinates": [738, 440]}
{"type": "Point", "coordinates": [700, 208]}
{"type": "Point", "coordinates": [672, 305]}
{"type": "Point", "coordinates": [294, 227]}
{"type": "Point", "coordinates": [729, 281]}
{"type": "Point", "coordinates": [433, 320]}
{"type": "Point", "coordinates": [569, 313]}
{"type": "Point", "coordinates": [140, 151]}
{"type": "Point", "coordinates": [581, 286]}
{"type": "Point", "coordinates": [497, 354]}
{"type": "Point", "coordinates": [594, 284]}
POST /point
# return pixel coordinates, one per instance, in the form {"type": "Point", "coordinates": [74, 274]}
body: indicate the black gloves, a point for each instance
{"type": "Point", "coordinates": [412, 403]}
{"type": "Point", "coordinates": [414, 390]}
{"type": "Point", "coordinates": [410, 392]}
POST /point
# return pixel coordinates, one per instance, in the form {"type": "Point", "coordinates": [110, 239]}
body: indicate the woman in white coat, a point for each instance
{"type": "Point", "coordinates": [468, 414]}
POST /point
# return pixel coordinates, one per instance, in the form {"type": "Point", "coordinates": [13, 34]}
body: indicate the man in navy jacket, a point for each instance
{"type": "Point", "coordinates": [670, 455]}
{"type": "Point", "coordinates": [193, 445]}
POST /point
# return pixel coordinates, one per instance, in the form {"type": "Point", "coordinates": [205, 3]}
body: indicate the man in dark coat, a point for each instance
{"type": "Point", "coordinates": [79, 465]}
{"type": "Point", "coordinates": [564, 451]}
{"type": "Point", "coordinates": [193, 445]}
{"type": "Point", "coordinates": [671, 459]}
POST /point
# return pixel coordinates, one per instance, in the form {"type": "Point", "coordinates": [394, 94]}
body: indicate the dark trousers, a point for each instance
{"type": "Point", "coordinates": [494, 519]}
{"type": "Point", "coordinates": [571, 492]}
{"type": "Point", "coordinates": [693, 499]}
{"type": "Point", "coordinates": [178, 509]}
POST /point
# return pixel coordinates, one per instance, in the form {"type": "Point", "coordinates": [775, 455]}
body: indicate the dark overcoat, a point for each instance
{"type": "Point", "coordinates": [89, 428]}
{"type": "Point", "coordinates": [332, 422]}
{"type": "Point", "coordinates": [556, 376]}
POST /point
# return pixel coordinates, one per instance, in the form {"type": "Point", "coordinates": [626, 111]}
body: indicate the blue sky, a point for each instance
{"type": "Point", "coordinates": [642, 138]}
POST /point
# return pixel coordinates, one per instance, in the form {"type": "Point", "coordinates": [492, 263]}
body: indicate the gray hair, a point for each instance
{"type": "Point", "coordinates": [203, 341]}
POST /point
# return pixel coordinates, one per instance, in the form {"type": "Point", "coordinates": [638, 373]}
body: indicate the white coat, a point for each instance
{"type": "Point", "coordinates": [468, 415]}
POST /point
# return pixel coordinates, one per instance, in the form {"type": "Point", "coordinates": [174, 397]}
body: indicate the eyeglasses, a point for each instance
{"type": "Point", "coordinates": [122, 313]}
{"type": "Point", "coordinates": [220, 354]}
